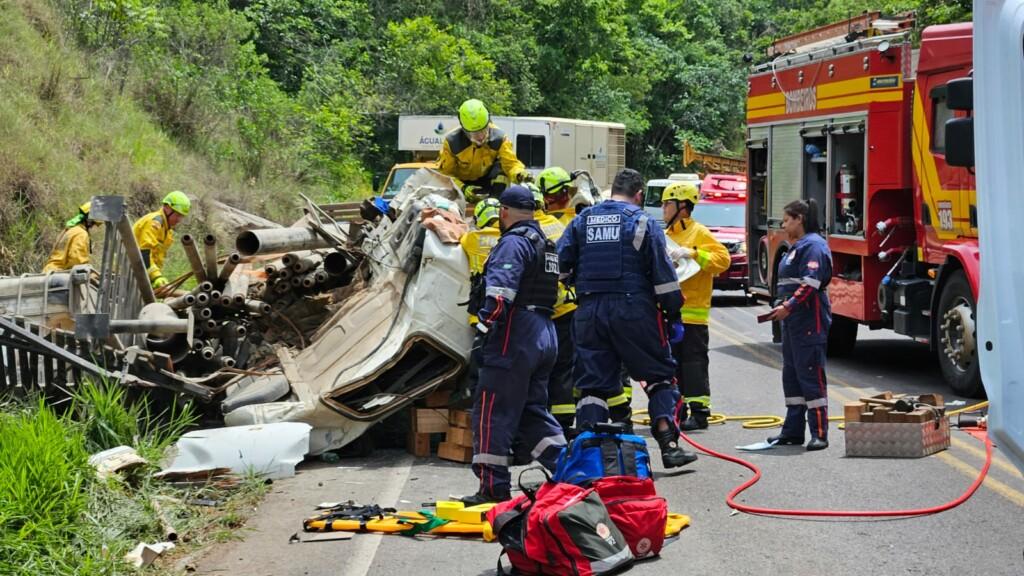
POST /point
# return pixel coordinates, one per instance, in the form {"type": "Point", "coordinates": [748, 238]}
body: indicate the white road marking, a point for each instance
{"type": "Point", "coordinates": [364, 548]}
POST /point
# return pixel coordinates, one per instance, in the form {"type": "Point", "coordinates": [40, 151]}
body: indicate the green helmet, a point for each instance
{"type": "Point", "coordinates": [538, 198]}
{"type": "Point", "coordinates": [473, 115]}
{"type": "Point", "coordinates": [553, 180]}
{"type": "Point", "coordinates": [486, 212]}
{"type": "Point", "coordinates": [178, 202]}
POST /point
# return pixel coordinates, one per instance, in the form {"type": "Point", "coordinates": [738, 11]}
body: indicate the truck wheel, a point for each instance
{"type": "Point", "coordinates": [842, 337]}
{"type": "Point", "coordinates": [957, 337]}
{"type": "Point", "coordinates": [762, 260]}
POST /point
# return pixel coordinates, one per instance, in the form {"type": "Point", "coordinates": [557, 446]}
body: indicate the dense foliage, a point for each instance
{"type": "Point", "coordinates": [312, 88]}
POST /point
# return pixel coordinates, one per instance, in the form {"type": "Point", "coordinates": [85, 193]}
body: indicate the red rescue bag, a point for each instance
{"type": "Point", "coordinates": [637, 510]}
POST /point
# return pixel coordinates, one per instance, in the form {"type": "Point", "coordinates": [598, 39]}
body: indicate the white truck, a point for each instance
{"type": "Point", "coordinates": [539, 142]}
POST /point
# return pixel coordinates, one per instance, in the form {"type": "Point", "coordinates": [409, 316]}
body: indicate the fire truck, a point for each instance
{"type": "Point", "coordinates": [859, 127]}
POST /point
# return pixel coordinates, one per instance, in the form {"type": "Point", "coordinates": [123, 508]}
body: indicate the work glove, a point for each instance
{"type": "Point", "coordinates": [524, 176]}
{"type": "Point", "coordinates": [675, 331]}
{"type": "Point", "coordinates": [681, 253]}
{"type": "Point", "coordinates": [159, 283]}
{"type": "Point", "coordinates": [472, 193]}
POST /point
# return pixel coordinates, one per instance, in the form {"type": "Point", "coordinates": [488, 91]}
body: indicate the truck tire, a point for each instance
{"type": "Point", "coordinates": [842, 336]}
{"type": "Point", "coordinates": [956, 337]}
{"type": "Point", "coordinates": [762, 261]}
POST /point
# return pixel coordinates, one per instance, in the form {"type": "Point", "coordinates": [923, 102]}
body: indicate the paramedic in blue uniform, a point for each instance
{"type": "Point", "coordinates": [806, 315]}
{"type": "Point", "coordinates": [510, 407]}
{"type": "Point", "coordinates": [628, 311]}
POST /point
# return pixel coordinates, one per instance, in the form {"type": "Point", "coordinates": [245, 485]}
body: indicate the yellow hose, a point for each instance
{"type": "Point", "coordinates": [759, 421]}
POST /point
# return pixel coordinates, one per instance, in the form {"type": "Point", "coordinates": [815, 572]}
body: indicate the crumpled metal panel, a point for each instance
{"type": "Point", "coordinates": [896, 440]}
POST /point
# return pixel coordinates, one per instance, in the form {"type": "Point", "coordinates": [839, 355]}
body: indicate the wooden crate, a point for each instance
{"type": "Point", "coordinates": [459, 436]}
{"type": "Point", "coordinates": [455, 453]}
{"type": "Point", "coordinates": [460, 419]}
{"type": "Point", "coordinates": [425, 422]}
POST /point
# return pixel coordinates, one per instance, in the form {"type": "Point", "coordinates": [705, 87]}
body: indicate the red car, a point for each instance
{"type": "Point", "coordinates": [722, 209]}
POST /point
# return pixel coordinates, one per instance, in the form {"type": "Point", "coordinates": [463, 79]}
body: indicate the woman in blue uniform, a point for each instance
{"type": "Point", "coordinates": [806, 315]}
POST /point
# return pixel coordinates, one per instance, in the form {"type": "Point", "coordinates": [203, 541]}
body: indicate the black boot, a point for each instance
{"type": "Point", "coordinates": [817, 444]}
{"type": "Point", "coordinates": [483, 498]}
{"type": "Point", "coordinates": [698, 418]}
{"type": "Point", "coordinates": [622, 414]}
{"type": "Point", "coordinates": [781, 440]}
{"type": "Point", "coordinates": [672, 455]}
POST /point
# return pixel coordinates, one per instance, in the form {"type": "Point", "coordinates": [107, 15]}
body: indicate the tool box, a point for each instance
{"type": "Point", "coordinates": [888, 427]}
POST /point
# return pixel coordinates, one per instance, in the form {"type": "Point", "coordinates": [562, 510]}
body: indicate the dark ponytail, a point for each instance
{"type": "Point", "coordinates": [807, 210]}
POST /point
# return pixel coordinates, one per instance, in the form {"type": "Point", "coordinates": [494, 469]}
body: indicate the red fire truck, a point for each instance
{"type": "Point", "coordinates": [859, 126]}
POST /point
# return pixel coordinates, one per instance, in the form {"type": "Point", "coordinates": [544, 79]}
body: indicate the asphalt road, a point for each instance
{"type": "Point", "coordinates": [983, 536]}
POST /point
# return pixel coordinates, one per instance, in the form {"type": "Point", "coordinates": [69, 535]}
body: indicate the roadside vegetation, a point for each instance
{"type": "Point", "coordinates": [58, 517]}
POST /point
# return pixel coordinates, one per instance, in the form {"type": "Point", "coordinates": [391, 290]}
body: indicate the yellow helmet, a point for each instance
{"type": "Point", "coordinates": [473, 115]}
{"type": "Point", "coordinates": [486, 212]}
{"type": "Point", "coordinates": [84, 208]}
{"type": "Point", "coordinates": [178, 202]}
{"type": "Point", "coordinates": [681, 191]}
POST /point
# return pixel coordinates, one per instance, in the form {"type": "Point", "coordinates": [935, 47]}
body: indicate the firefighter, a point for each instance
{"type": "Point", "coordinates": [154, 233]}
{"type": "Point", "coordinates": [806, 316]}
{"type": "Point", "coordinates": [510, 404]}
{"type": "Point", "coordinates": [477, 244]}
{"type": "Point", "coordinates": [555, 185]}
{"type": "Point", "coordinates": [616, 257]}
{"type": "Point", "coordinates": [695, 243]}
{"type": "Point", "coordinates": [479, 154]}
{"type": "Point", "coordinates": [73, 245]}
{"type": "Point", "coordinates": [560, 385]}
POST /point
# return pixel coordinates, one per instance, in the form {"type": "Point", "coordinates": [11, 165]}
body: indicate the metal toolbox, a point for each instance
{"type": "Point", "coordinates": [897, 440]}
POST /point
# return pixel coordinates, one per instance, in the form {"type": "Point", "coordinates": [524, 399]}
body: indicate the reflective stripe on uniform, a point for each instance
{"type": "Point", "coordinates": [703, 256]}
{"type": "Point", "coordinates": [795, 401]}
{"type": "Point", "coordinates": [546, 443]}
{"type": "Point", "coordinates": [696, 315]}
{"type": "Point", "coordinates": [620, 399]}
{"type": "Point", "coordinates": [641, 232]}
{"type": "Point", "coordinates": [611, 562]}
{"type": "Point", "coordinates": [666, 288]}
{"type": "Point", "coordinates": [490, 459]}
{"type": "Point", "coordinates": [788, 281]}
{"type": "Point", "coordinates": [818, 403]}
{"type": "Point", "coordinates": [563, 409]}
{"type": "Point", "coordinates": [812, 282]}
{"type": "Point", "coordinates": [704, 401]}
{"type": "Point", "coordinates": [591, 400]}
{"type": "Point", "coordinates": [495, 291]}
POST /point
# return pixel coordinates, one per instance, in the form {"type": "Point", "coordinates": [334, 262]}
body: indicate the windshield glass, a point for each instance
{"type": "Point", "coordinates": [720, 215]}
{"type": "Point", "coordinates": [401, 175]}
{"type": "Point", "coordinates": [653, 196]}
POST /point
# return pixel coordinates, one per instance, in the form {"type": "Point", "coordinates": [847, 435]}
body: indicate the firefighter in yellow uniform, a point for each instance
{"type": "Point", "coordinates": [695, 243]}
{"type": "Point", "coordinates": [479, 155]}
{"type": "Point", "coordinates": [154, 234]}
{"type": "Point", "coordinates": [73, 245]}
{"type": "Point", "coordinates": [477, 244]}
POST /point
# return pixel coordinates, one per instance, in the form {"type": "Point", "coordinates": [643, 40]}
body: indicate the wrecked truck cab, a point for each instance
{"type": "Point", "coordinates": [395, 338]}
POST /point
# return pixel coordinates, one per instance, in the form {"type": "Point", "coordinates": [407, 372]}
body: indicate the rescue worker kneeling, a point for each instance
{"type": "Point", "coordinates": [616, 255]}
{"type": "Point", "coordinates": [73, 245]}
{"type": "Point", "coordinates": [510, 403]}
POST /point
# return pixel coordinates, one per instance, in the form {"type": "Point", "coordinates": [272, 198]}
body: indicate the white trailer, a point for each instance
{"type": "Point", "coordinates": [597, 147]}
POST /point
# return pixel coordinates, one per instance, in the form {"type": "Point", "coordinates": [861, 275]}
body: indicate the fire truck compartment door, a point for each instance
{"type": "Point", "coordinates": [786, 157]}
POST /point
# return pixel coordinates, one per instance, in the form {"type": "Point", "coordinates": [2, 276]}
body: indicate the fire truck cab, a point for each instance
{"type": "Point", "coordinates": [859, 127]}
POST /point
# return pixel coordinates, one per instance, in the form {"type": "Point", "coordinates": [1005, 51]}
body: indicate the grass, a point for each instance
{"type": "Point", "coordinates": [67, 133]}
{"type": "Point", "coordinates": [57, 517]}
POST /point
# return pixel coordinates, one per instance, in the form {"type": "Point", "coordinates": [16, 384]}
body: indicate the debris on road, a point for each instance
{"type": "Point", "coordinates": [271, 450]}
{"type": "Point", "coordinates": [115, 460]}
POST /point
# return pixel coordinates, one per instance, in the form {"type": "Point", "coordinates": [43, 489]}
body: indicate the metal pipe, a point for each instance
{"type": "Point", "coordinates": [225, 301]}
{"type": "Point", "coordinates": [337, 263]}
{"type": "Point", "coordinates": [309, 279]}
{"type": "Point", "coordinates": [181, 302]}
{"type": "Point", "coordinates": [205, 286]}
{"type": "Point", "coordinates": [208, 353]}
{"type": "Point", "coordinates": [210, 326]}
{"type": "Point", "coordinates": [210, 254]}
{"type": "Point", "coordinates": [321, 276]}
{"type": "Point", "coordinates": [215, 297]}
{"type": "Point", "coordinates": [258, 307]}
{"type": "Point", "coordinates": [307, 263]}
{"type": "Point", "coordinates": [227, 362]}
{"type": "Point", "coordinates": [271, 240]}
{"type": "Point", "coordinates": [273, 268]}
{"type": "Point", "coordinates": [238, 300]}
{"type": "Point", "coordinates": [205, 313]}
{"type": "Point", "coordinates": [296, 281]}
{"type": "Point", "coordinates": [124, 229]}
{"type": "Point", "coordinates": [152, 326]}
{"type": "Point", "coordinates": [282, 286]}
{"type": "Point", "coordinates": [284, 274]}
{"type": "Point", "coordinates": [232, 329]}
{"type": "Point", "coordinates": [188, 243]}
{"type": "Point", "coordinates": [289, 259]}
{"type": "Point", "coordinates": [202, 300]}
{"type": "Point", "coordinates": [229, 267]}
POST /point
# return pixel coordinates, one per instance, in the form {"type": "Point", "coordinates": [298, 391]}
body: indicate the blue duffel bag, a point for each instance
{"type": "Point", "coordinates": [606, 450]}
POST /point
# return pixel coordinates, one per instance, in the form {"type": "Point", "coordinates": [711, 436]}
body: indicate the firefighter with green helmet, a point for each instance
{"type": "Point", "coordinates": [479, 155]}
{"type": "Point", "coordinates": [73, 245]}
{"type": "Point", "coordinates": [696, 243]}
{"type": "Point", "coordinates": [477, 244]}
{"type": "Point", "coordinates": [154, 234]}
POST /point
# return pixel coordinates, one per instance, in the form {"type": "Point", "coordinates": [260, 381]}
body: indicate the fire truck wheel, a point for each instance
{"type": "Point", "coordinates": [762, 260]}
{"type": "Point", "coordinates": [842, 337]}
{"type": "Point", "coordinates": [956, 337]}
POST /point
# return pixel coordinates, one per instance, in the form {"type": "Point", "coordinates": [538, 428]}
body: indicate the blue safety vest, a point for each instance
{"type": "Point", "coordinates": [610, 238]}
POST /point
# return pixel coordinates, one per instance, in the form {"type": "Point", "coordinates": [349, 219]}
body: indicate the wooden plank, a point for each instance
{"type": "Point", "coordinates": [853, 410]}
{"type": "Point", "coordinates": [459, 436]}
{"type": "Point", "coordinates": [449, 451]}
{"type": "Point", "coordinates": [460, 419]}
{"type": "Point", "coordinates": [428, 420]}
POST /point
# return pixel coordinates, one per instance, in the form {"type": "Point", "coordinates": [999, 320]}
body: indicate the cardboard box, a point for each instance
{"type": "Point", "coordinates": [897, 440]}
{"type": "Point", "coordinates": [455, 453]}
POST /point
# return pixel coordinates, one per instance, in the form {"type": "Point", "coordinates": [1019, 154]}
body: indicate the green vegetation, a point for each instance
{"type": "Point", "coordinates": [57, 517]}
